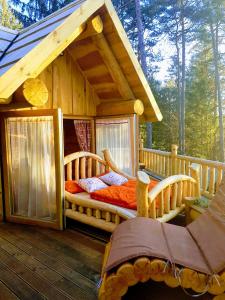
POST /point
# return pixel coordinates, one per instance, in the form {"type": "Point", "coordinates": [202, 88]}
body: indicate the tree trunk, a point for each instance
{"type": "Point", "coordinates": [178, 82]}
{"type": "Point", "coordinates": [142, 57]}
{"type": "Point", "coordinates": [183, 73]}
{"type": "Point", "coordinates": [214, 37]}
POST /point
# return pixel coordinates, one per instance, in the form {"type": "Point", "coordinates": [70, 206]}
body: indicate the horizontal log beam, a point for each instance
{"type": "Point", "coordinates": [120, 108]}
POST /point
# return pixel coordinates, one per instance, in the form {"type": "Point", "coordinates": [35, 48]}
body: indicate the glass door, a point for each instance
{"type": "Point", "coordinates": [33, 167]}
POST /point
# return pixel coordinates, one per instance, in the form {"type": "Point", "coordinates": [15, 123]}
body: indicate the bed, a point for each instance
{"type": "Point", "coordinates": [163, 202]}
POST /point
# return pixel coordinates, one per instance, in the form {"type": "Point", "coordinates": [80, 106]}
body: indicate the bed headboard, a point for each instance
{"type": "Point", "coordinates": [82, 164]}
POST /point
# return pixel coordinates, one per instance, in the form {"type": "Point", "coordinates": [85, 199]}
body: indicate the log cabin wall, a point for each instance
{"type": "Point", "coordinates": [67, 88]}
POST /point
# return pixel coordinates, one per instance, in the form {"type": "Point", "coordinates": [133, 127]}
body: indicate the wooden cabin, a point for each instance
{"type": "Point", "coordinates": [69, 82]}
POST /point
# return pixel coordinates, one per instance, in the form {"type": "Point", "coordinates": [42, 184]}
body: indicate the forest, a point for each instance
{"type": "Point", "coordinates": [181, 47]}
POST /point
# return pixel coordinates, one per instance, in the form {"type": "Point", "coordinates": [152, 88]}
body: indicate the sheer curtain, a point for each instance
{"type": "Point", "coordinates": [83, 132]}
{"type": "Point", "coordinates": [31, 146]}
{"type": "Point", "coordinates": [114, 134]}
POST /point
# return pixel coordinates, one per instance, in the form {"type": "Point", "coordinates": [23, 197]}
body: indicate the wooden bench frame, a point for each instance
{"type": "Point", "coordinates": [106, 216]}
{"type": "Point", "coordinates": [115, 284]}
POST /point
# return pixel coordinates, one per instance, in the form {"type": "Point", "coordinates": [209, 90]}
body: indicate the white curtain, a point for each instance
{"type": "Point", "coordinates": [114, 134]}
{"type": "Point", "coordinates": [31, 146]}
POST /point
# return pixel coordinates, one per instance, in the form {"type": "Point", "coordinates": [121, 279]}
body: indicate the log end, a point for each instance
{"type": "Point", "coordinates": [35, 92]}
{"type": "Point", "coordinates": [97, 24]}
{"type": "Point", "coordinates": [143, 177]}
{"type": "Point", "coordinates": [138, 107]}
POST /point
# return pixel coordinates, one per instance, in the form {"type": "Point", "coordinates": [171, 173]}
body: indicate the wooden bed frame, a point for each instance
{"type": "Point", "coordinates": [170, 193]}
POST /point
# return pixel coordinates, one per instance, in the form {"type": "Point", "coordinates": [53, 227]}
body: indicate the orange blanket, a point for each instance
{"type": "Point", "coordinates": [124, 195]}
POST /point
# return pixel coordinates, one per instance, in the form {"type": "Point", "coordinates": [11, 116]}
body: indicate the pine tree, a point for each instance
{"type": "Point", "coordinates": [7, 17]}
{"type": "Point", "coordinates": [32, 11]}
{"type": "Point", "coordinates": [201, 124]}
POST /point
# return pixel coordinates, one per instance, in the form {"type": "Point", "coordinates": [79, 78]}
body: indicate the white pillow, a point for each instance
{"type": "Point", "coordinates": [91, 184]}
{"type": "Point", "coordinates": [113, 178]}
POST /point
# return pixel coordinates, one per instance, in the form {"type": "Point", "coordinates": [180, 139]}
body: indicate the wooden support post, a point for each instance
{"type": "Point", "coordinates": [173, 158]}
{"type": "Point", "coordinates": [143, 181]}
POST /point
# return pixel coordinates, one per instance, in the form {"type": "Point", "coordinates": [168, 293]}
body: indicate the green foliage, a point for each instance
{"type": "Point", "coordinates": [165, 132]}
{"type": "Point", "coordinates": [202, 121]}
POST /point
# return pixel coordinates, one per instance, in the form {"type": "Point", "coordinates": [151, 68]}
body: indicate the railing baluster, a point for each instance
{"type": "Point", "coordinates": [204, 178]}
{"type": "Point", "coordinates": [182, 167]}
{"type": "Point", "coordinates": [211, 181]}
{"type": "Point", "coordinates": [219, 178]}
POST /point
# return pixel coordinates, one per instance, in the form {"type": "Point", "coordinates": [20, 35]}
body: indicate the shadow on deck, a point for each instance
{"type": "Point", "coordinates": [37, 263]}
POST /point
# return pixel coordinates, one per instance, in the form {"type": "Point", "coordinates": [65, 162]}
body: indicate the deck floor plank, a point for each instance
{"type": "Point", "coordinates": [5, 293]}
{"type": "Point", "coordinates": [35, 281]}
{"type": "Point", "coordinates": [17, 285]}
{"type": "Point", "coordinates": [77, 241]}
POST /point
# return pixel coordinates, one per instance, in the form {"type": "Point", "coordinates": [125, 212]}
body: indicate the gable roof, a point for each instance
{"type": "Point", "coordinates": [28, 52]}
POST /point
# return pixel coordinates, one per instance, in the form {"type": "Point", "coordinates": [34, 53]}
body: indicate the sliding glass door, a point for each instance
{"type": "Point", "coordinates": [33, 166]}
{"type": "Point", "coordinates": [118, 135]}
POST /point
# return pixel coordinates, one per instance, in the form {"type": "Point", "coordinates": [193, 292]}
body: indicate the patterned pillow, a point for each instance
{"type": "Point", "coordinates": [92, 184]}
{"type": "Point", "coordinates": [113, 178]}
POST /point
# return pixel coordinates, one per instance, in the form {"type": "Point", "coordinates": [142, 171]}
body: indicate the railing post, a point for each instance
{"type": "Point", "coordinates": [141, 146]}
{"type": "Point", "coordinates": [173, 158]}
{"type": "Point", "coordinates": [195, 173]}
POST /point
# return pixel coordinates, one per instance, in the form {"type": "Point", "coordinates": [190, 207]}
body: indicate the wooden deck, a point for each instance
{"type": "Point", "coordinates": [37, 263]}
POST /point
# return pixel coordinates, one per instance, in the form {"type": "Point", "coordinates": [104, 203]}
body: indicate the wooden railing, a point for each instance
{"type": "Point", "coordinates": [165, 164]}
